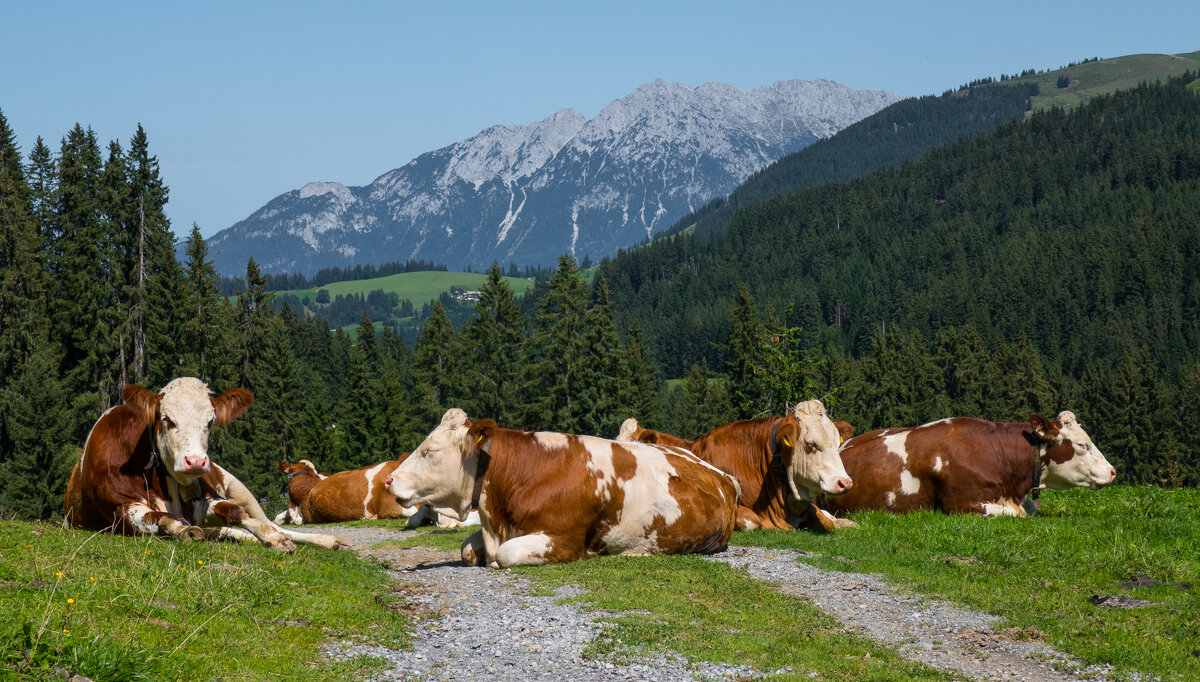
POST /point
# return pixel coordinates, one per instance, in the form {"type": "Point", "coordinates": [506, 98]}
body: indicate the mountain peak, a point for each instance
{"type": "Point", "coordinates": [526, 194]}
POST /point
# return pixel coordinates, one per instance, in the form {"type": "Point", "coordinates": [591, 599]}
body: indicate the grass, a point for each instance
{"type": "Point", "coordinates": [1107, 76]}
{"type": "Point", "coordinates": [710, 611]}
{"type": "Point", "coordinates": [417, 287]}
{"type": "Point", "coordinates": [1042, 571]}
{"type": "Point", "coordinates": [116, 608]}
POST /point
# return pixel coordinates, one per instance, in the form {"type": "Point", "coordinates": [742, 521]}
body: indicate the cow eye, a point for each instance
{"type": "Point", "coordinates": [810, 446]}
{"type": "Point", "coordinates": [167, 422]}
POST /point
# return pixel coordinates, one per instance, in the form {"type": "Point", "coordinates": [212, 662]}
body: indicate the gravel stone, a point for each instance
{"type": "Point", "coordinates": [480, 622]}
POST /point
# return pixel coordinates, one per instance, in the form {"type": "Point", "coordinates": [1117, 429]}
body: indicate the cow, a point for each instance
{"type": "Point", "coordinates": [145, 470]}
{"type": "Point", "coordinates": [351, 496]}
{"type": "Point", "coordinates": [782, 464]}
{"type": "Point", "coordinates": [301, 477]}
{"type": "Point", "coordinates": [632, 432]}
{"type": "Point", "coordinates": [966, 465]}
{"type": "Point", "coordinates": [553, 497]}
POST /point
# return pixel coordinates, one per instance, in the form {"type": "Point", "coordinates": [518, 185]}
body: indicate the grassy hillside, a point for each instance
{"type": "Point", "coordinates": [1107, 76]}
{"type": "Point", "coordinates": [117, 608]}
{"type": "Point", "coordinates": [417, 287]}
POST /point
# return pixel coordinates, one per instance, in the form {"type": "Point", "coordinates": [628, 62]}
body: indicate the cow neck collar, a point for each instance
{"type": "Point", "coordinates": [481, 467]}
{"type": "Point", "coordinates": [776, 463]}
{"type": "Point", "coordinates": [297, 473]}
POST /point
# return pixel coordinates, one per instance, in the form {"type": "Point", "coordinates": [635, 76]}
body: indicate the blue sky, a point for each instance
{"type": "Point", "coordinates": [243, 101]}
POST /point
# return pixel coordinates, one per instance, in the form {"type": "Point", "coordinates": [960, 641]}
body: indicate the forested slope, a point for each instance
{"type": "Point", "coordinates": [1077, 229]}
{"type": "Point", "coordinates": [902, 131]}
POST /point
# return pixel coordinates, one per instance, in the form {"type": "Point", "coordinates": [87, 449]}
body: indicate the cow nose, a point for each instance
{"type": "Point", "coordinates": [843, 484]}
{"type": "Point", "coordinates": [387, 482]}
{"type": "Point", "coordinates": [1112, 474]}
{"type": "Point", "coordinates": [194, 463]}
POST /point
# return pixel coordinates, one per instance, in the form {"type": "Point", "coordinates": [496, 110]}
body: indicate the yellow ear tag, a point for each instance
{"type": "Point", "coordinates": [787, 442]}
{"type": "Point", "coordinates": [479, 439]}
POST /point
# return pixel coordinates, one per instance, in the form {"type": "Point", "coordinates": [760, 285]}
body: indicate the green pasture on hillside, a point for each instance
{"type": "Point", "coordinates": [120, 609]}
{"type": "Point", "coordinates": [1043, 571]}
{"type": "Point", "coordinates": [1107, 76]}
{"type": "Point", "coordinates": [417, 287]}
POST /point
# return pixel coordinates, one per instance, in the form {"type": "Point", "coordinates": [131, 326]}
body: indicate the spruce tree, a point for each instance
{"type": "Point", "coordinates": [604, 381]}
{"type": "Point", "coordinates": [35, 450]}
{"type": "Point", "coordinates": [492, 342]}
{"type": "Point", "coordinates": [80, 262]}
{"type": "Point", "coordinates": [555, 354]}
{"type": "Point", "coordinates": [745, 366]}
{"type": "Point", "coordinates": [435, 362]}
{"type": "Point", "coordinates": [645, 397]}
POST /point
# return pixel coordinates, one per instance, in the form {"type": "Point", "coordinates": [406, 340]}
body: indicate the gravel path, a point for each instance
{"type": "Point", "coordinates": [484, 622]}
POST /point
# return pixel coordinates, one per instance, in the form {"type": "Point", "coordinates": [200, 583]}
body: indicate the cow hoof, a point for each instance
{"type": "Point", "coordinates": [283, 544]}
{"type": "Point", "coordinates": [191, 534]}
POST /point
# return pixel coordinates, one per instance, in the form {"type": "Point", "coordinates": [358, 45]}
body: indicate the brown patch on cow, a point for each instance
{"type": "Point", "coordinates": [744, 450]}
{"type": "Point", "coordinates": [343, 496]}
{"type": "Point", "coordinates": [230, 512]}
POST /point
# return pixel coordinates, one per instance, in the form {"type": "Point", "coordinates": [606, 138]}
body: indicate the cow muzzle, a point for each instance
{"type": "Point", "coordinates": [838, 486]}
{"type": "Point", "coordinates": [195, 464]}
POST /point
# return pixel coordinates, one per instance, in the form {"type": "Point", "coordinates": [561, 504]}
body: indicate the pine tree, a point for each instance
{"type": "Point", "coordinates": [34, 447]}
{"type": "Point", "coordinates": [42, 184]}
{"type": "Point", "coordinates": [492, 342]}
{"type": "Point", "coordinates": [435, 362]}
{"type": "Point", "coordinates": [746, 364]}
{"type": "Point", "coordinates": [644, 400]}
{"type": "Point", "coordinates": [604, 379]}
{"type": "Point", "coordinates": [159, 282]}
{"type": "Point", "coordinates": [206, 345]}
{"type": "Point", "coordinates": [555, 354]}
{"type": "Point", "coordinates": [80, 261]}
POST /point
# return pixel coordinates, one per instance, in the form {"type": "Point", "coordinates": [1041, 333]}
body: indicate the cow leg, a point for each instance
{"type": "Point", "coordinates": [257, 521]}
{"type": "Point", "coordinates": [146, 521]}
{"type": "Point", "coordinates": [1001, 508]}
{"type": "Point", "coordinates": [473, 551]}
{"type": "Point", "coordinates": [225, 512]}
{"type": "Point", "coordinates": [419, 517]}
{"type": "Point", "coordinates": [534, 549]}
{"type": "Point", "coordinates": [228, 533]}
{"type": "Point", "coordinates": [748, 520]}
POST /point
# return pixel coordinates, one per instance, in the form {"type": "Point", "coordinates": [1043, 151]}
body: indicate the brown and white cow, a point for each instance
{"type": "Point", "coordinates": [969, 465]}
{"type": "Point", "coordinates": [782, 464]}
{"type": "Point", "coordinates": [145, 470]}
{"type": "Point", "coordinates": [554, 497]}
{"type": "Point", "coordinates": [301, 477]}
{"type": "Point", "coordinates": [634, 433]}
{"type": "Point", "coordinates": [352, 495]}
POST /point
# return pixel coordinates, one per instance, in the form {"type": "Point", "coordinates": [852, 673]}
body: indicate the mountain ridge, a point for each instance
{"type": "Point", "coordinates": [525, 194]}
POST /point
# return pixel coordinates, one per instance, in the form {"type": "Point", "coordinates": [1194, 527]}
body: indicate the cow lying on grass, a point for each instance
{"type": "Point", "coordinates": [553, 497]}
{"type": "Point", "coordinates": [145, 470]}
{"type": "Point", "coordinates": [781, 464]}
{"type": "Point", "coordinates": [970, 465]}
{"type": "Point", "coordinates": [350, 496]}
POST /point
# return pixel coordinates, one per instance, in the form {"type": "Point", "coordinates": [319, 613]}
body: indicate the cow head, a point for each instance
{"type": "Point", "coordinates": [441, 471]}
{"type": "Point", "coordinates": [1074, 461]}
{"type": "Point", "coordinates": [181, 416]}
{"type": "Point", "coordinates": [299, 468]}
{"type": "Point", "coordinates": [808, 442]}
{"type": "Point", "coordinates": [629, 429]}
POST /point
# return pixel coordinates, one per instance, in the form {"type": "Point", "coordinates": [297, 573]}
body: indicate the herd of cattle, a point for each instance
{"type": "Point", "coordinates": [543, 497]}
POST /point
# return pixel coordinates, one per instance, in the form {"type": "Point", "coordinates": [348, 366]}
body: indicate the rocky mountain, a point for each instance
{"type": "Point", "coordinates": [566, 184]}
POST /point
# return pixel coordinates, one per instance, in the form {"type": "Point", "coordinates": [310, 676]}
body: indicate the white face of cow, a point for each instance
{"type": "Point", "coordinates": [816, 465]}
{"type": "Point", "coordinates": [441, 471]}
{"type": "Point", "coordinates": [1086, 469]}
{"type": "Point", "coordinates": [185, 417]}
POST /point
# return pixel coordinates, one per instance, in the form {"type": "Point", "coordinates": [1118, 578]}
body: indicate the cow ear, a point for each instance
{"type": "Point", "coordinates": [845, 430]}
{"type": "Point", "coordinates": [480, 434]}
{"type": "Point", "coordinates": [145, 402]}
{"type": "Point", "coordinates": [786, 434]}
{"type": "Point", "coordinates": [230, 404]}
{"type": "Point", "coordinates": [1043, 428]}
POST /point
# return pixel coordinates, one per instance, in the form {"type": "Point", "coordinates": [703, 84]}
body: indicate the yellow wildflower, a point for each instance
{"type": "Point", "coordinates": [58, 574]}
{"type": "Point", "coordinates": [70, 601]}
